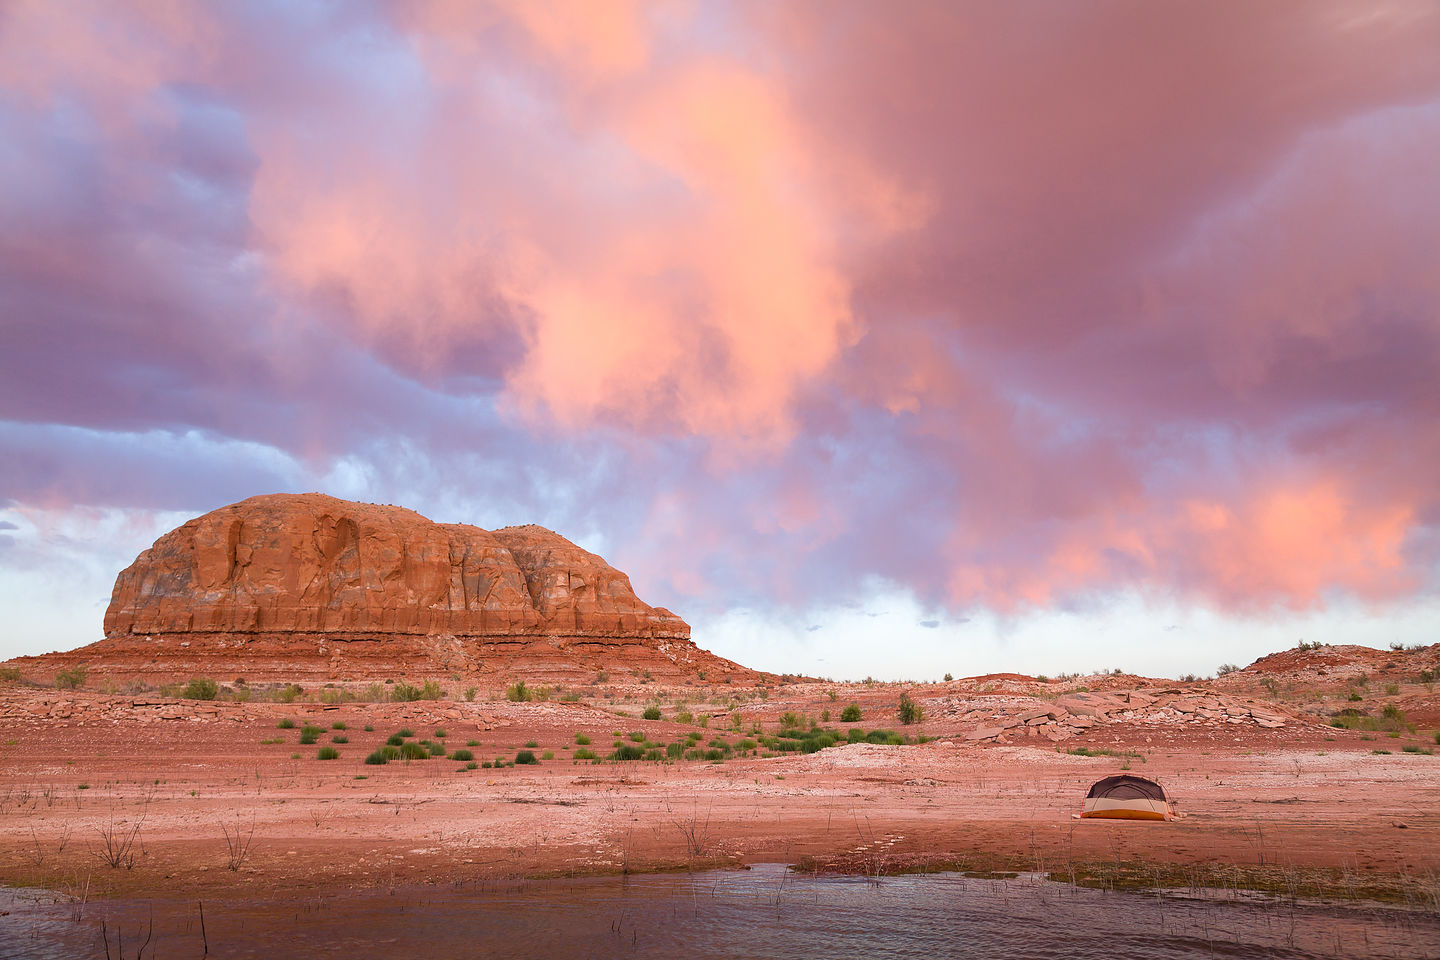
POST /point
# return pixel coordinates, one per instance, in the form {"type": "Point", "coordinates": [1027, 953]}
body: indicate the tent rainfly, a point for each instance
{"type": "Point", "coordinates": [1124, 797]}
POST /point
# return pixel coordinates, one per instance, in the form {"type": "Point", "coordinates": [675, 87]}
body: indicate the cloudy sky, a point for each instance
{"type": "Point", "coordinates": [889, 339]}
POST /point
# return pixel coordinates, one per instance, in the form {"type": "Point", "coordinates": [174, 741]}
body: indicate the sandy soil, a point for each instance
{"type": "Point", "coordinates": [1303, 801]}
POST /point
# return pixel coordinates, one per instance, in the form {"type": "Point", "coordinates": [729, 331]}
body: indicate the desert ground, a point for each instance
{"type": "Point", "coordinates": [140, 794]}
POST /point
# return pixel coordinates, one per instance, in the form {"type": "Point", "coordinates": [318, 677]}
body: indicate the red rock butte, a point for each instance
{"type": "Point", "coordinates": [310, 586]}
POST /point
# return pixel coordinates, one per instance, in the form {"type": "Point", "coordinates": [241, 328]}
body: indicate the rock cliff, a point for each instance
{"type": "Point", "coordinates": [309, 586]}
{"type": "Point", "coordinates": [312, 563]}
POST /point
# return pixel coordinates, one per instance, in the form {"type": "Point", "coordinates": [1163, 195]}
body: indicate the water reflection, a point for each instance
{"type": "Point", "coordinates": [765, 912]}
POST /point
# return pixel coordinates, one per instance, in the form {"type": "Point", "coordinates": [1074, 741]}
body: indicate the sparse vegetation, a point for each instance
{"type": "Point", "coordinates": [461, 755]}
{"type": "Point", "coordinates": [584, 753]}
{"type": "Point", "coordinates": [309, 734]}
{"type": "Point", "coordinates": [327, 753]}
{"type": "Point", "coordinates": [850, 714]}
{"type": "Point", "coordinates": [525, 757]}
{"type": "Point", "coordinates": [286, 724]}
{"type": "Point", "coordinates": [71, 679]}
{"type": "Point", "coordinates": [582, 739]}
{"type": "Point", "coordinates": [1225, 668]}
{"type": "Point", "coordinates": [201, 688]}
{"type": "Point", "coordinates": [1103, 752]}
{"type": "Point", "coordinates": [517, 692]}
{"type": "Point", "coordinates": [11, 674]}
{"type": "Point", "coordinates": [377, 757]}
{"type": "Point", "coordinates": [651, 713]}
{"type": "Point", "coordinates": [909, 711]}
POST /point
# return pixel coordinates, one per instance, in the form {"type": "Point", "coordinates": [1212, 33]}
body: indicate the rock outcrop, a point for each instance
{"type": "Point", "coordinates": [314, 564]}
{"type": "Point", "coordinates": [309, 586]}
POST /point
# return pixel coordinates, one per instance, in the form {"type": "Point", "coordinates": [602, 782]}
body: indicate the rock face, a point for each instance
{"type": "Point", "coordinates": [311, 586]}
{"type": "Point", "coordinates": [314, 564]}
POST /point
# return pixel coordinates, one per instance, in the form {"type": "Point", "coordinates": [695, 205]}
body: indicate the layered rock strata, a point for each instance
{"type": "Point", "coordinates": [311, 586]}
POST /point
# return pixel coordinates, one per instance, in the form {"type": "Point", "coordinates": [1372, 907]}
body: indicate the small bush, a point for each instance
{"type": "Point", "coordinates": [1416, 748]}
{"type": "Point", "coordinates": [532, 744]}
{"type": "Point", "coordinates": [405, 732]}
{"type": "Point", "coordinates": [517, 692]}
{"type": "Point", "coordinates": [71, 679]}
{"type": "Point", "coordinates": [289, 693]}
{"type": "Point", "coordinates": [1391, 689]}
{"type": "Point", "coordinates": [286, 724]}
{"type": "Point", "coordinates": [10, 673]}
{"type": "Point", "coordinates": [436, 749]}
{"type": "Point", "coordinates": [684, 716]}
{"type": "Point", "coordinates": [584, 754]}
{"type": "Point", "coordinates": [1225, 668]}
{"type": "Point", "coordinates": [201, 688]}
{"type": "Point", "coordinates": [440, 733]}
{"type": "Point", "coordinates": [391, 753]}
{"type": "Point", "coordinates": [651, 713]}
{"type": "Point", "coordinates": [628, 752]}
{"type": "Point", "coordinates": [1354, 697]}
{"type": "Point", "coordinates": [377, 757]}
{"type": "Point", "coordinates": [431, 691]}
{"type": "Point", "coordinates": [339, 738]}
{"type": "Point", "coordinates": [856, 735]}
{"type": "Point", "coordinates": [309, 734]}
{"type": "Point", "coordinates": [414, 751]}
{"type": "Point", "coordinates": [404, 693]}
{"type": "Point", "coordinates": [790, 720]}
{"type": "Point", "coordinates": [582, 739]}
{"type": "Point", "coordinates": [948, 678]}
{"type": "Point", "coordinates": [461, 755]}
{"type": "Point", "coordinates": [909, 711]}
{"type": "Point", "coordinates": [548, 755]}
{"type": "Point", "coordinates": [394, 739]}
{"type": "Point", "coordinates": [469, 693]}
{"type": "Point", "coordinates": [525, 757]}
{"type": "Point", "coordinates": [638, 736]}
{"type": "Point", "coordinates": [327, 753]}
{"type": "Point", "coordinates": [369, 728]}
{"type": "Point", "coordinates": [338, 725]}
{"type": "Point", "coordinates": [850, 714]}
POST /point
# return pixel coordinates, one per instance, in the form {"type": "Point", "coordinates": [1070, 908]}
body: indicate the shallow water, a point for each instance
{"type": "Point", "coordinates": [764, 912]}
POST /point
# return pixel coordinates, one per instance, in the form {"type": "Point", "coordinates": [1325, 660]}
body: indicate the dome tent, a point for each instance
{"type": "Point", "coordinates": [1123, 797]}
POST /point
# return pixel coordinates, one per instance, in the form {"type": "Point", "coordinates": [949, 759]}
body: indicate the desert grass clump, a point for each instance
{"type": "Point", "coordinates": [628, 752]}
{"type": "Point", "coordinates": [405, 732]}
{"type": "Point", "coordinates": [11, 674]}
{"type": "Point", "coordinates": [404, 693]}
{"type": "Point", "coordinates": [394, 740]}
{"type": "Point", "coordinates": [327, 753]}
{"type": "Point", "coordinates": [532, 744]}
{"type": "Point", "coordinates": [583, 754]}
{"type": "Point", "coordinates": [71, 679]}
{"type": "Point", "coordinates": [472, 743]}
{"type": "Point", "coordinates": [850, 714]}
{"type": "Point", "coordinates": [517, 692]}
{"type": "Point", "coordinates": [465, 755]}
{"type": "Point", "coordinates": [582, 739]}
{"type": "Point", "coordinates": [440, 733]}
{"type": "Point", "coordinates": [525, 757]}
{"type": "Point", "coordinates": [651, 713]}
{"type": "Point", "coordinates": [285, 724]}
{"type": "Point", "coordinates": [339, 738]}
{"type": "Point", "coordinates": [338, 725]}
{"type": "Point", "coordinates": [414, 751]}
{"type": "Point", "coordinates": [1416, 748]}
{"type": "Point", "coordinates": [548, 755]}
{"type": "Point", "coordinates": [201, 688]}
{"type": "Point", "coordinates": [309, 734]}
{"type": "Point", "coordinates": [377, 757]}
{"type": "Point", "coordinates": [471, 765]}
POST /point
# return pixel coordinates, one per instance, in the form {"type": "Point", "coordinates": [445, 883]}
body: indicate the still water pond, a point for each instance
{"type": "Point", "coordinates": [764, 912]}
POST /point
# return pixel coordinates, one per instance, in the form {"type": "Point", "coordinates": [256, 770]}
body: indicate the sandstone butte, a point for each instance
{"type": "Point", "coordinates": [307, 586]}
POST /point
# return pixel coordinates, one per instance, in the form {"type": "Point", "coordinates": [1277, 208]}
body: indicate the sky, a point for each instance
{"type": "Point", "coordinates": [875, 340]}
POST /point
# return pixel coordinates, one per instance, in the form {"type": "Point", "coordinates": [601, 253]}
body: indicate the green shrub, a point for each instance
{"type": "Point", "coordinates": [472, 743]}
{"type": "Point", "coordinates": [414, 751]}
{"type": "Point", "coordinates": [462, 755]}
{"type": "Point", "coordinates": [71, 679]}
{"type": "Point", "coordinates": [1416, 748]}
{"type": "Point", "coordinates": [684, 716]}
{"type": "Point", "coordinates": [584, 754]}
{"type": "Point", "coordinates": [675, 750]}
{"type": "Point", "coordinates": [10, 673]}
{"type": "Point", "coordinates": [405, 732]}
{"type": "Point", "coordinates": [327, 753]}
{"type": "Point", "coordinates": [548, 755]}
{"type": "Point", "coordinates": [470, 695]}
{"type": "Point", "coordinates": [525, 757]}
{"type": "Point", "coordinates": [638, 736]}
{"type": "Point", "coordinates": [431, 691]}
{"type": "Point", "coordinates": [471, 765]}
{"type": "Point", "coordinates": [909, 711]}
{"type": "Point", "coordinates": [850, 714]}
{"type": "Point", "coordinates": [856, 735]}
{"type": "Point", "coordinates": [377, 757]}
{"type": "Point", "coordinates": [339, 738]}
{"type": "Point", "coordinates": [289, 693]}
{"type": "Point", "coordinates": [201, 688]}
{"type": "Point", "coordinates": [286, 724]}
{"type": "Point", "coordinates": [486, 765]}
{"type": "Point", "coordinates": [369, 728]}
{"type": "Point", "coordinates": [582, 739]}
{"type": "Point", "coordinates": [404, 693]}
{"type": "Point", "coordinates": [436, 749]}
{"type": "Point", "coordinates": [532, 744]}
{"type": "Point", "coordinates": [440, 733]}
{"type": "Point", "coordinates": [651, 713]}
{"type": "Point", "coordinates": [627, 752]}
{"type": "Point", "coordinates": [789, 719]}
{"type": "Point", "coordinates": [391, 752]}
{"type": "Point", "coordinates": [394, 739]}
{"type": "Point", "coordinates": [309, 734]}
{"type": "Point", "coordinates": [1391, 689]}
{"type": "Point", "coordinates": [518, 692]}
{"type": "Point", "coordinates": [338, 725]}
